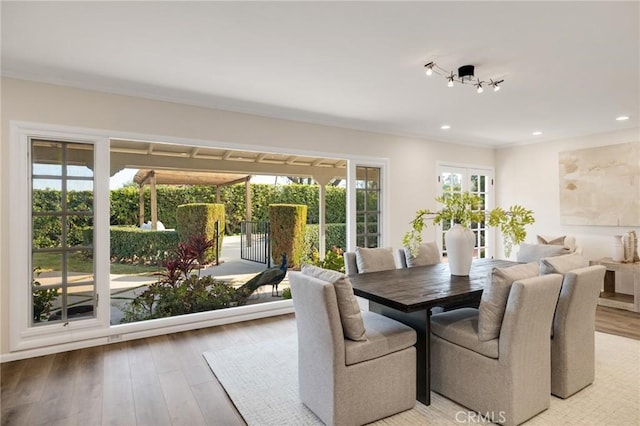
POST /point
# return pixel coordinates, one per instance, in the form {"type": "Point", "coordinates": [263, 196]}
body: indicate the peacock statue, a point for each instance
{"type": "Point", "coordinates": [271, 276]}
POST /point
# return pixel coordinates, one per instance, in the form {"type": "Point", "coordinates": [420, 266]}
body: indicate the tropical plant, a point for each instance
{"type": "Point", "coordinates": [333, 260]}
{"type": "Point", "coordinates": [466, 208]}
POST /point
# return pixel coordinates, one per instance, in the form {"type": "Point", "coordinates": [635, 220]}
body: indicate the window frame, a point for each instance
{"type": "Point", "coordinates": [23, 334]}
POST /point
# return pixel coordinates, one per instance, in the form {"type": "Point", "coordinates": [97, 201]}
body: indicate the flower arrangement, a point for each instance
{"type": "Point", "coordinates": [466, 208]}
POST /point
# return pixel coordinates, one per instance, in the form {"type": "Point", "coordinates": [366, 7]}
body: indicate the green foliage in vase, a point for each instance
{"type": "Point", "coordinates": [467, 208]}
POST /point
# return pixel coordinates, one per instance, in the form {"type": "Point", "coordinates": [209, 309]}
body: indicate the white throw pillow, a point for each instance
{"type": "Point", "coordinates": [536, 252]}
{"type": "Point", "coordinates": [562, 264]}
{"type": "Point", "coordinates": [350, 316]}
{"type": "Point", "coordinates": [374, 259]}
{"type": "Point", "coordinates": [554, 241]}
{"type": "Point", "coordinates": [495, 295]}
{"type": "Point", "coordinates": [428, 254]}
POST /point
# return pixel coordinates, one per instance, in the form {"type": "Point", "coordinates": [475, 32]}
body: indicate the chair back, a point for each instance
{"type": "Point", "coordinates": [402, 258]}
{"type": "Point", "coordinates": [350, 265]}
{"type": "Point", "coordinates": [576, 308]}
{"type": "Point", "coordinates": [321, 346]}
{"type": "Point", "coordinates": [573, 339]}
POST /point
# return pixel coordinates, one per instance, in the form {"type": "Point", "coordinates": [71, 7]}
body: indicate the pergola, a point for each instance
{"type": "Point", "coordinates": [179, 177]}
{"type": "Point", "coordinates": [155, 157]}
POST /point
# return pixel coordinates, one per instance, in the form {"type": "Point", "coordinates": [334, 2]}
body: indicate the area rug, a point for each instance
{"type": "Point", "coordinates": [262, 381]}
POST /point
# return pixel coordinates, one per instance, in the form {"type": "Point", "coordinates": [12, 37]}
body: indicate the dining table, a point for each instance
{"type": "Point", "coordinates": [408, 295]}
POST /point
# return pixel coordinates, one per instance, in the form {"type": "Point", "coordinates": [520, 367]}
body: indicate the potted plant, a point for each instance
{"type": "Point", "coordinates": [463, 209]}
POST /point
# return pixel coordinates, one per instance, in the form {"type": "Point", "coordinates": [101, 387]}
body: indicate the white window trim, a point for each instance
{"type": "Point", "coordinates": [24, 342]}
{"type": "Point", "coordinates": [22, 334]}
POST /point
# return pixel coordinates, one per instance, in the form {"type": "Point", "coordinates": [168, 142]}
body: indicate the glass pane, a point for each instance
{"type": "Point", "coordinates": [79, 268]}
{"type": "Point", "coordinates": [80, 302]}
{"type": "Point", "coordinates": [47, 232]}
{"type": "Point", "coordinates": [373, 178]}
{"type": "Point", "coordinates": [79, 231]}
{"type": "Point", "coordinates": [474, 183]}
{"type": "Point", "coordinates": [372, 228]}
{"type": "Point", "coordinates": [46, 158]}
{"type": "Point", "coordinates": [360, 200]}
{"type": "Point", "coordinates": [45, 303]}
{"type": "Point", "coordinates": [372, 201]}
{"type": "Point", "coordinates": [360, 241]}
{"type": "Point", "coordinates": [483, 180]}
{"type": "Point", "coordinates": [46, 269]}
{"type": "Point", "coordinates": [79, 159]}
{"type": "Point", "coordinates": [80, 196]}
{"type": "Point", "coordinates": [372, 218]}
{"type": "Point", "coordinates": [372, 242]}
{"type": "Point", "coordinates": [46, 195]}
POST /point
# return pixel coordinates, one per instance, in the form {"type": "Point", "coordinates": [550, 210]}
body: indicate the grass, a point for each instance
{"type": "Point", "coordinates": [77, 262]}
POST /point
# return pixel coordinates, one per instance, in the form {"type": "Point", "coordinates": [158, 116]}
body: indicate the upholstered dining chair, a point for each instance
{"type": "Point", "coordinates": [428, 254]}
{"type": "Point", "coordinates": [573, 332]}
{"type": "Point", "coordinates": [353, 367]}
{"type": "Point", "coordinates": [369, 260]}
{"type": "Point", "coordinates": [505, 378]}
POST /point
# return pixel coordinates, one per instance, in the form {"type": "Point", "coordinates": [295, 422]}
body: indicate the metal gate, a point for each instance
{"type": "Point", "coordinates": [255, 244]}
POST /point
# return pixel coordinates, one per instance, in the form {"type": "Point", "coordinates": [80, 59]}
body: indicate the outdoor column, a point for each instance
{"type": "Point", "coordinates": [247, 209]}
{"type": "Point", "coordinates": [141, 210]}
{"type": "Point", "coordinates": [154, 201]}
{"type": "Point", "coordinates": [322, 240]}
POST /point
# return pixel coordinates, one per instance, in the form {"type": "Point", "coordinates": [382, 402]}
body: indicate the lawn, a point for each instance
{"type": "Point", "coordinates": [78, 262]}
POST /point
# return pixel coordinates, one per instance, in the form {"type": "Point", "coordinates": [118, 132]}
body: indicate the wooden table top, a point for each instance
{"type": "Point", "coordinates": [414, 289]}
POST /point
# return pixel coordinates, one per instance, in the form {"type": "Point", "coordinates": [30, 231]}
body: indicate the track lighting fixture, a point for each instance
{"type": "Point", "coordinates": [465, 76]}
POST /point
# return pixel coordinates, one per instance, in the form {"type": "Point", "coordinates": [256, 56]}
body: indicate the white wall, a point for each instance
{"type": "Point", "coordinates": [529, 175]}
{"type": "Point", "coordinates": [412, 162]}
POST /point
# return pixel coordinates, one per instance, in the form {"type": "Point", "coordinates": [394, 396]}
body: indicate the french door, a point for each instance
{"type": "Point", "coordinates": [479, 181]}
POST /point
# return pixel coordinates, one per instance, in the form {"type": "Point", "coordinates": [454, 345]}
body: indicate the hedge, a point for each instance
{"type": "Point", "coordinates": [132, 244]}
{"type": "Point", "coordinates": [124, 202]}
{"type": "Point", "coordinates": [200, 219]}
{"type": "Point", "coordinates": [336, 235]}
{"type": "Point", "coordinates": [287, 225]}
{"type": "Point", "coordinates": [124, 206]}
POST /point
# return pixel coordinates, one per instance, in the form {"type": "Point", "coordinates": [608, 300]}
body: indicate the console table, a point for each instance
{"type": "Point", "coordinates": [626, 271]}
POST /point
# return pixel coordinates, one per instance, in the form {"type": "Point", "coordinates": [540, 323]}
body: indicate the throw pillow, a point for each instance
{"type": "Point", "coordinates": [495, 295]}
{"type": "Point", "coordinates": [536, 252]}
{"type": "Point", "coordinates": [555, 241]}
{"type": "Point", "coordinates": [350, 316]}
{"type": "Point", "coordinates": [428, 254]}
{"type": "Point", "coordinates": [562, 264]}
{"type": "Point", "coordinates": [374, 259]}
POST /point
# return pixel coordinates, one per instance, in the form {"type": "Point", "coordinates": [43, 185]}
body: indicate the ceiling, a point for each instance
{"type": "Point", "coordinates": [569, 68]}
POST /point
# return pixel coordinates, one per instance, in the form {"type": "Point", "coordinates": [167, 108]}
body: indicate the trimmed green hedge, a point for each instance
{"type": "Point", "coordinates": [336, 236]}
{"type": "Point", "coordinates": [287, 225]}
{"type": "Point", "coordinates": [124, 202]}
{"type": "Point", "coordinates": [200, 219]}
{"type": "Point", "coordinates": [124, 206]}
{"type": "Point", "coordinates": [132, 244]}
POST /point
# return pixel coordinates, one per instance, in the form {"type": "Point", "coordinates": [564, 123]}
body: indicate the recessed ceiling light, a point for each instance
{"type": "Point", "coordinates": [622, 118]}
{"type": "Point", "coordinates": [536, 133]}
{"type": "Point", "coordinates": [445, 127]}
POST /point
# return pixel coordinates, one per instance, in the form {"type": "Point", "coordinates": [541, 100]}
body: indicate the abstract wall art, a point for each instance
{"type": "Point", "coordinates": [600, 186]}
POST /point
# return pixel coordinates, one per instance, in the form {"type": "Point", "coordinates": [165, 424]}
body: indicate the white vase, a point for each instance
{"type": "Point", "coordinates": [617, 253]}
{"type": "Point", "coordinates": [629, 244]}
{"type": "Point", "coordinates": [460, 243]}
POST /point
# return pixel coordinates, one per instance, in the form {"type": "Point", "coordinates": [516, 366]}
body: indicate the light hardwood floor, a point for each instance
{"type": "Point", "coordinates": [156, 381]}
